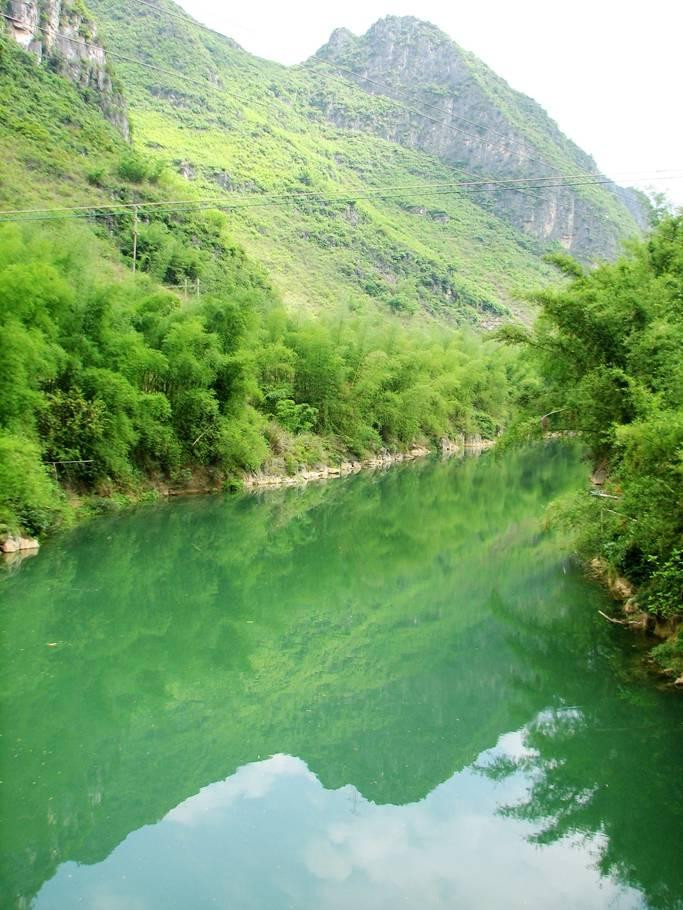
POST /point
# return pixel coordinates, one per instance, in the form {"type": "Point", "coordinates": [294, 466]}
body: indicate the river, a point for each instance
{"type": "Point", "coordinates": [391, 690]}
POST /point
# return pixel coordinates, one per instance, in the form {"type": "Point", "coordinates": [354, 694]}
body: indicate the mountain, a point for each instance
{"type": "Point", "coordinates": [370, 216]}
{"type": "Point", "coordinates": [476, 121]}
{"type": "Point", "coordinates": [144, 344]}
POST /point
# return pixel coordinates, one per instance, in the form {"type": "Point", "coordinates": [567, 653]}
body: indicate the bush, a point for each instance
{"type": "Point", "coordinates": [242, 442]}
{"type": "Point", "coordinates": [30, 500]}
{"type": "Point", "coordinates": [136, 169]}
{"type": "Point", "coordinates": [607, 346]}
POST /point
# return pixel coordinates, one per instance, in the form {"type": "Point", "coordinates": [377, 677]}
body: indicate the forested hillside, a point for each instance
{"type": "Point", "coordinates": [192, 363]}
{"type": "Point", "coordinates": [115, 382]}
{"type": "Point", "coordinates": [233, 124]}
{"type": "Point", "coordinates": [143, 345]}
{"type": "Point", "coordinates": [133, 380]}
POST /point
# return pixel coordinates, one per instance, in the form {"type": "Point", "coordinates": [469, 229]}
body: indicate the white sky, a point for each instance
{"type": "Point", "coordinates": [608, 71]}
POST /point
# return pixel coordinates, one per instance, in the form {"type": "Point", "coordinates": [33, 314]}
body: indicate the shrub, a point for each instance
{"type": "Point", "coordinates": [29, 499]}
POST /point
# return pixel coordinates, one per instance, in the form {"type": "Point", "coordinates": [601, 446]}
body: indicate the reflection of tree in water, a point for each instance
{"type": "Point", "coordinates": [386, 630]}
{"type": "Point", "coordinates": [608, 766]}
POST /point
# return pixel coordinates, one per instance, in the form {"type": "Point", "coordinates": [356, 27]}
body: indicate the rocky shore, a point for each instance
{"type": "Point", "coordinates": [265, 479]}
{"type": "Point", "coordinates": [15, 549]}
{"type": "Point", "coordinates": [13, 544]}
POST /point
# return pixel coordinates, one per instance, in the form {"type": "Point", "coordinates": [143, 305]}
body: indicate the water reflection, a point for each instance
{"type": "Point", "coordinates": [386, 630]}
{"type": "Point", "coordinates": [271, 836]}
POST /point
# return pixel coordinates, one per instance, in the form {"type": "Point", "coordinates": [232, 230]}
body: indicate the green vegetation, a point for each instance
{"type": "Point", "coordinates": [116, 380]}
{"type": "Point", "coordinates": [402, 56]}
{"type": "Point", "coordinates": [207, 363]}
{"type": "Point", "coordinates": [52, 138]}
{"type": "Point", "coordinates": [231, 127]}
{"type": "Point", "coordinates": [608, 350]}
{"type": "Point", "coordinates": [192, 369]}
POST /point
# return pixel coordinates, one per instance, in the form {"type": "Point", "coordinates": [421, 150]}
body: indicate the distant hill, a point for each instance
{"type": "Point", "coordinates": [376, 219]}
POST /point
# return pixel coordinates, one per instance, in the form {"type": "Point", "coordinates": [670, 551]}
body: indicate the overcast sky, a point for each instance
{"type": "Point", "coordinates": [609, 71]}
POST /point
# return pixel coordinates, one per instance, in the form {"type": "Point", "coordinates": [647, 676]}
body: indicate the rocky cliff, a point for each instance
{"type": "Point", "coordinates": [471, 119]}
{"type": "Point", "coordinates": [63, 36]}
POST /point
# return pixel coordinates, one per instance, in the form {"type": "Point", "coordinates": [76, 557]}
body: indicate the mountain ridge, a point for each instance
{"type": "Point", "coordinates": [370, 217]}
{"type": "Point", "coordinates": [486, 126]}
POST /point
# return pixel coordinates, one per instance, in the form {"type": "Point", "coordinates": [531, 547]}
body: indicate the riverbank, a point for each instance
{"type": "Point", "coordinates": [665, 659]}
{"type": "Point", "coordinates": [15, 547]}
{"type": "Point", "coordinates": [386, 459]}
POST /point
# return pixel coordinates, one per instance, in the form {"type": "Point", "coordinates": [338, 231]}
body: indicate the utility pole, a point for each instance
{"type": "Point", "coordinates": [135, 238]}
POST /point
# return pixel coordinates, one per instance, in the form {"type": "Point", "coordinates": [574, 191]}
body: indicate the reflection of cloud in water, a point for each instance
{"type": "Point", "coordinates": [115, 902]}
{"type": "Point", "coordinates": [250, 782]}
{"type": "Point", "coordinates": [387, 857]}
{"type": "Point", "coordinates": [424, 855]}
{"type": "Point", "coordinates": [272, 836]}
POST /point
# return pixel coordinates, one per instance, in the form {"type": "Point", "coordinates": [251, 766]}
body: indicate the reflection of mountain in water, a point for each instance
{"type": "Point", "coordinates": [270, 836]}
{"type": "Point", "coordinates": [385, 629]}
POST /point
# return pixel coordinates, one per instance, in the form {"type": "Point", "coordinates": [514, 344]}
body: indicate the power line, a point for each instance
{"type": "Point", "coordinates": [337, 66]}
{"type": "Point", "coordinates": [390, 91]}
{"type": "Point", "coordinates": [187, 19]}
{"type": "Point", "coordinates": [151, 66]}
{"type": "Point", "coordinates": [239, 98]}
{"type": "Point", "coordinates": [283, 199]}
{"type": "Point", "coordinates": [479, 183]}
{"type": "Point", "coordinates": [441, 121]}
{"type": "Point", "coordinates": [505, 182]}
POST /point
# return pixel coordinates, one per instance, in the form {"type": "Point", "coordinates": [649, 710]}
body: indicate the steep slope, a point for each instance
{"type": "Point", "coordinates": [369, 217]}
{"type": "Point", "coordinates": [63, 35]}
{"type": "Point", "coordinates": [235, 126]}
{"type": "Point", "coordinates": [478, 122]}
{"type": "Point", "coordinates": [54, 140]}
{"type": "Point", "coordinates": [144, 347]}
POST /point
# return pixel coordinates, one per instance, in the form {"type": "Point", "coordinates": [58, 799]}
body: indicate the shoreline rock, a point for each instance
{"type": "Point", "coordinates": [263, 480]}
{"type": "Point", "coordinates": [14, 544]}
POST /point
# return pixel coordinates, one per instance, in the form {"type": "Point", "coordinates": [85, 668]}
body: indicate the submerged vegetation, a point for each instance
{"type": "Point", "coordinates": [607, 348]}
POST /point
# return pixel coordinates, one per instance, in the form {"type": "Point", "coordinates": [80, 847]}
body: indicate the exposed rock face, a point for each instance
{"type": "Point", "coordinates": [476, 122]}
{"type": "Point", "coordinates": [62, 36]}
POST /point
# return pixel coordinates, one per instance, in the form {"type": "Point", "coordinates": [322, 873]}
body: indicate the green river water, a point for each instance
{"type": "Point", "coordinates": [389, 691]}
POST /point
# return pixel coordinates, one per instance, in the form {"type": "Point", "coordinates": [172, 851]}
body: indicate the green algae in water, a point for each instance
{"type": "Point", "coordinates": [392, 690]}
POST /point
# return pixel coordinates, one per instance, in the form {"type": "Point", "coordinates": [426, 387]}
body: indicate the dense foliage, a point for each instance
{"type": "Point", "coordinates": [109, 379]}
{"type": "Point", "coordinates": [608, 347]}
